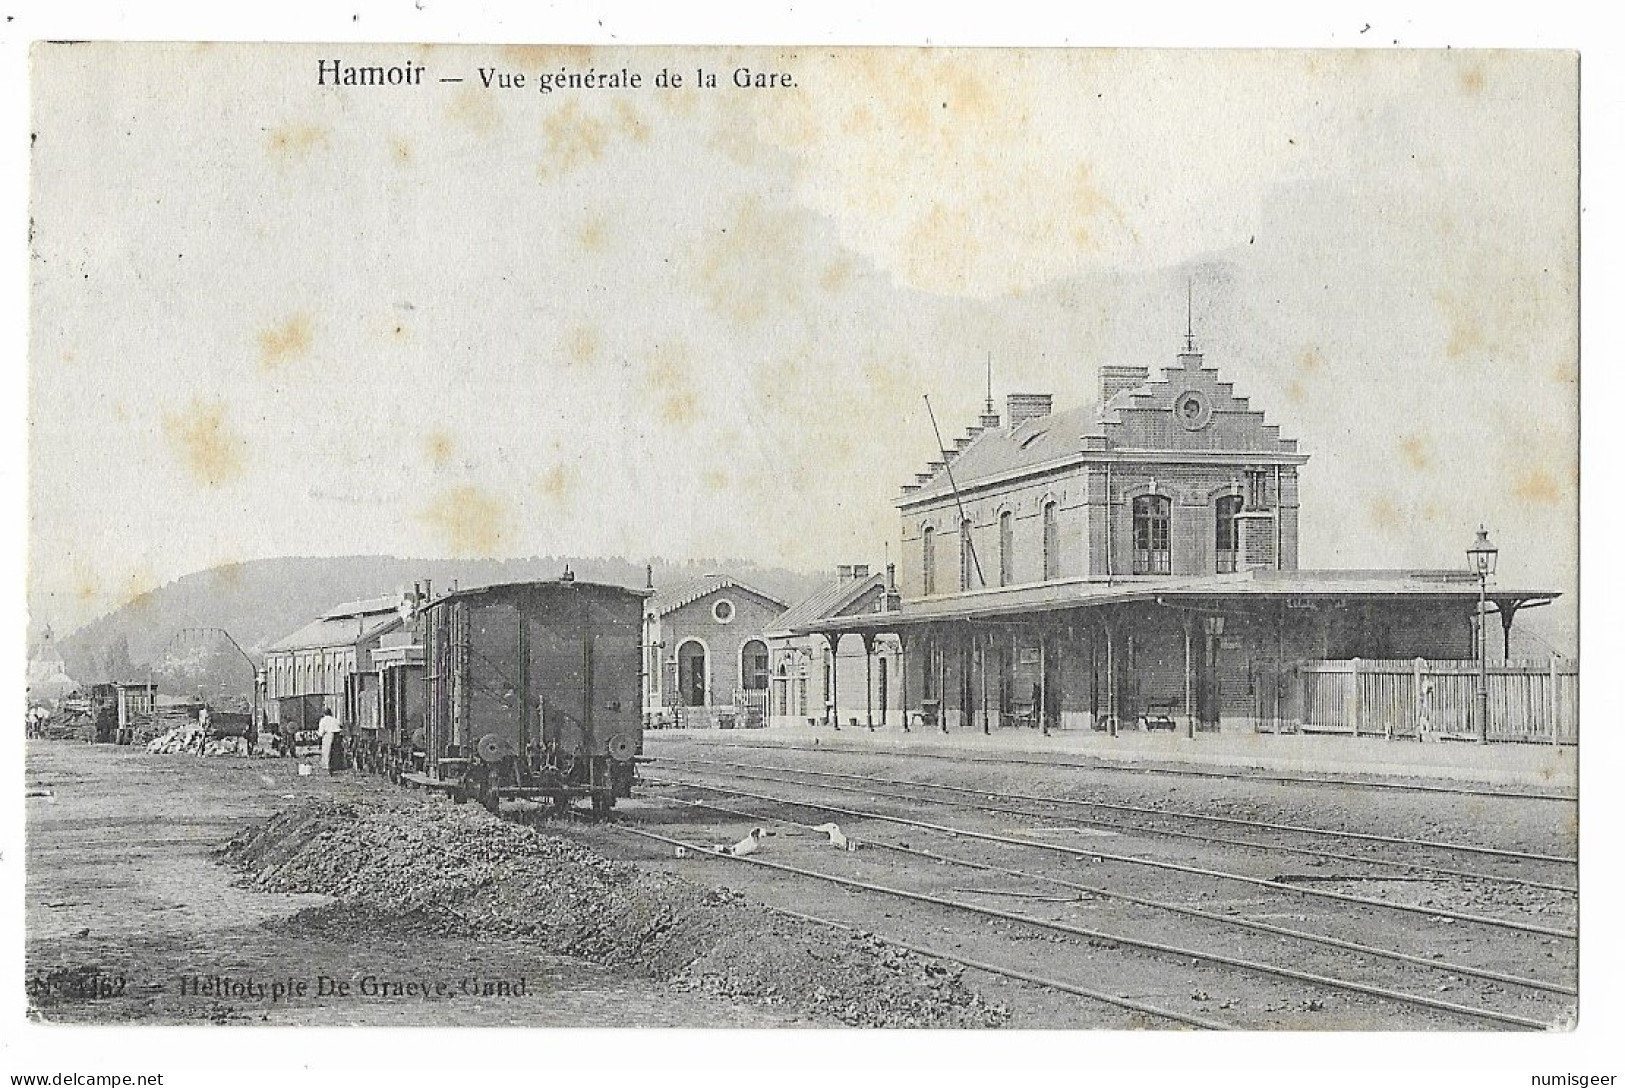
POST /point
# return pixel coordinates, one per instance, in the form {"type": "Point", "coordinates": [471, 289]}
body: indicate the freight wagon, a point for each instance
{"type": "Point", "coordinates": [529, 690]}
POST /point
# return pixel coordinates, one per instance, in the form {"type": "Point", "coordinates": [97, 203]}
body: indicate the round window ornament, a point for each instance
{"type": "Point", "coordinates": [723, 611]}
{"type": "Point", "coordinates": [1193, 409]}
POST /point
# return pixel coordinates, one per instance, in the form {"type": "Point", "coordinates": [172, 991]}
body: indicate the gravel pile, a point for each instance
{"type": "Point", "coordinates": [406, 866]}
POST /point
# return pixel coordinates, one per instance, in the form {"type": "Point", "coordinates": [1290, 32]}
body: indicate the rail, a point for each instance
{"type": "Point", "coordinates": [1168, 866]}
{"type": "Point", "coordinates": [1159, 947]}
{"type": "Point", "coordinates": [1102, 892]}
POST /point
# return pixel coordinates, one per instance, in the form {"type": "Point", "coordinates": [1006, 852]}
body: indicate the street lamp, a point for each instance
{"type": "Point", "coordinates": [1481, 561]}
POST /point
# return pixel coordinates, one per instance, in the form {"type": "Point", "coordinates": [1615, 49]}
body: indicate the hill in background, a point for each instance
{"type": "Point", "coordinates": [261, 601]}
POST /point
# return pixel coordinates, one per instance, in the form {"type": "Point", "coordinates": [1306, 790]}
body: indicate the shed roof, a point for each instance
{"type": "Point", "coordinates": [343, 625]}
{"type": "Point", "coordinates": [675, 597]}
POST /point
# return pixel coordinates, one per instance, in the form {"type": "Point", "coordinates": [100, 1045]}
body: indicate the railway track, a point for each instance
{"type": "Point", "coordinates": [1492, 922]}
{"type": "Point", "coordinates": [1141, 812]}
{"type": "Point", "coordinates": [1236, 963]}
{"type": "Point", "coordinates": [1100, 891]}
{"type": "Point", "coordinates": [1121, 1001]}
{"type": "Point", "coordinates": [1167, 771]}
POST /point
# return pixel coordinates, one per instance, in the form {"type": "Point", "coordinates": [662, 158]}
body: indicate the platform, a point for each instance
{"type": "Point", "coordinates": [1552, 768]}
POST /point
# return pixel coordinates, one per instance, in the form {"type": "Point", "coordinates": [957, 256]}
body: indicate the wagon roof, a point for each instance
{"type": "Point", "coordinates": [498, 589]}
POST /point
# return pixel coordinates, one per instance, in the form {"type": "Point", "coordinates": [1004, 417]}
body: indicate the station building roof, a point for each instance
{"type": "Point", "coordinates": [829, 601]}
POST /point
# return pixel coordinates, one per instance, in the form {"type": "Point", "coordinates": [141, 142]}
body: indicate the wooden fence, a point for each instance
{"type": "Point", "coordinates": [1530, 701]}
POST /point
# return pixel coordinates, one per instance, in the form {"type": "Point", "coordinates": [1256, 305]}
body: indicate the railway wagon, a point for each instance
{"type": "Point", "coordinates": [388, 707]}
{"type": "Point", "coordinates": [533, 691]}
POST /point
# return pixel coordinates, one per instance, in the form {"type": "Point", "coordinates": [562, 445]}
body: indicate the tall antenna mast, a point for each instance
{"type": "Point", "coordinates": [959, 502]}
{"type": "Point", "coordinates": [989, 410]}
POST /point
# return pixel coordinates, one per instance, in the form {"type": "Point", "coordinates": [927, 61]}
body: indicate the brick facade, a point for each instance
{"type": "Point", "coordinates": [1182, 444]}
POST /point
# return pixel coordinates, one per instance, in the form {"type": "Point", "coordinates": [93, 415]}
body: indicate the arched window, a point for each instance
{"type": "Point", "coordinates": [1151, 535]}
{"type": "Point", "coordinates": [1052, 543]}
{"type": "Point", "coordinates": [753, 666]}
{"type": "Point", "coordinates": [928, 558]}
{"type": "Point", "coordinates": [967, 556]}
{"type": "Point", "coordinates": [1226, 537]}
{"type": "Point", "coordinates": [1007, 548]}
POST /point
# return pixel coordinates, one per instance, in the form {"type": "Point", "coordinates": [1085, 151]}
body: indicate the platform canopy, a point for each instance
{"type": "Point", "coordinates": [1286, 588]}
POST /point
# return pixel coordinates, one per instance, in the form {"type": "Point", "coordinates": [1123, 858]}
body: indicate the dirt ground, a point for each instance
{"type": "Point", "coordinates": [131, 918]}
{"type": "Point", "coordinates": [137, 912]}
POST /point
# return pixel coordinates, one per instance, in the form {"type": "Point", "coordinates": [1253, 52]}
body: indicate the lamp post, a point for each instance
{"type": "Point", "coordinates": [1481, 561]}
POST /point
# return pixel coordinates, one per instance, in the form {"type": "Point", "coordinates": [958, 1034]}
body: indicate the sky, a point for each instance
{"type": "Point", "coordinates": [272, 318]}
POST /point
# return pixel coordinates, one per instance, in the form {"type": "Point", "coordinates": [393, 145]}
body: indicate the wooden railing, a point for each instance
{"type": "Point", "coordinates": [1529, 701]}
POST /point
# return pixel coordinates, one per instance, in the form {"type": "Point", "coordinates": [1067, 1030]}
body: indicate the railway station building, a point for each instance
{"type": "Point", "coordinates": [1134, 563]}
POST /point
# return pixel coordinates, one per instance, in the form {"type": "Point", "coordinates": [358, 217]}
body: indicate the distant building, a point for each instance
{"type": "Point", "coordinates": [318, 665]}
{"type": "Point", "coordinates": [812, 682]}
{"type": "Point", "coordinates": [706, 658]}
{"type": "Point", "coordinates": [48, 677]}
{"type": "Point", "coordinates": [118, 709]}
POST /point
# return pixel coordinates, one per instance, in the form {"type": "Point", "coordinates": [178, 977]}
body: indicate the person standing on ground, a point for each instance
{"type": "Point", "coordinates": [329, 729]}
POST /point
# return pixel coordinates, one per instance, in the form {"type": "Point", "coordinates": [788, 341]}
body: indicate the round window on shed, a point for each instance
{"type": "Point", "coordinates": [723, 611]}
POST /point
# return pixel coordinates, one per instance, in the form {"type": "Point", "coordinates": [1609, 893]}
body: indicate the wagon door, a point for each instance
{"type": "Point", "coordinates": [615, 629]}
{"type": "Point", "coordinates": [556, 676]}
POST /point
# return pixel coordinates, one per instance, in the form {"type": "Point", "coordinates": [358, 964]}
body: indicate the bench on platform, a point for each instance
{"type": "Point", "coordinates": [1160, 714]}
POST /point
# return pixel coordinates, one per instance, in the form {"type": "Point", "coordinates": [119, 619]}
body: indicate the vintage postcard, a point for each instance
{"type": "Point", "coordinates": [677, 537]}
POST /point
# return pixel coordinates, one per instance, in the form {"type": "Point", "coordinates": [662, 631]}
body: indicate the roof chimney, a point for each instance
{"type": "Point", "coordinates": [860, 570]}
{"type": "Point", "coordinates": [1020, 407]}
{"type": "Point", "coordinates": [843, 572]}
{"type": "Point", "coordinates": [1115, 379]}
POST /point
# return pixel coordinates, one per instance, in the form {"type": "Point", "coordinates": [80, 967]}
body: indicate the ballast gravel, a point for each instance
{"type": "Point", "coordinates": [410, 867]}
